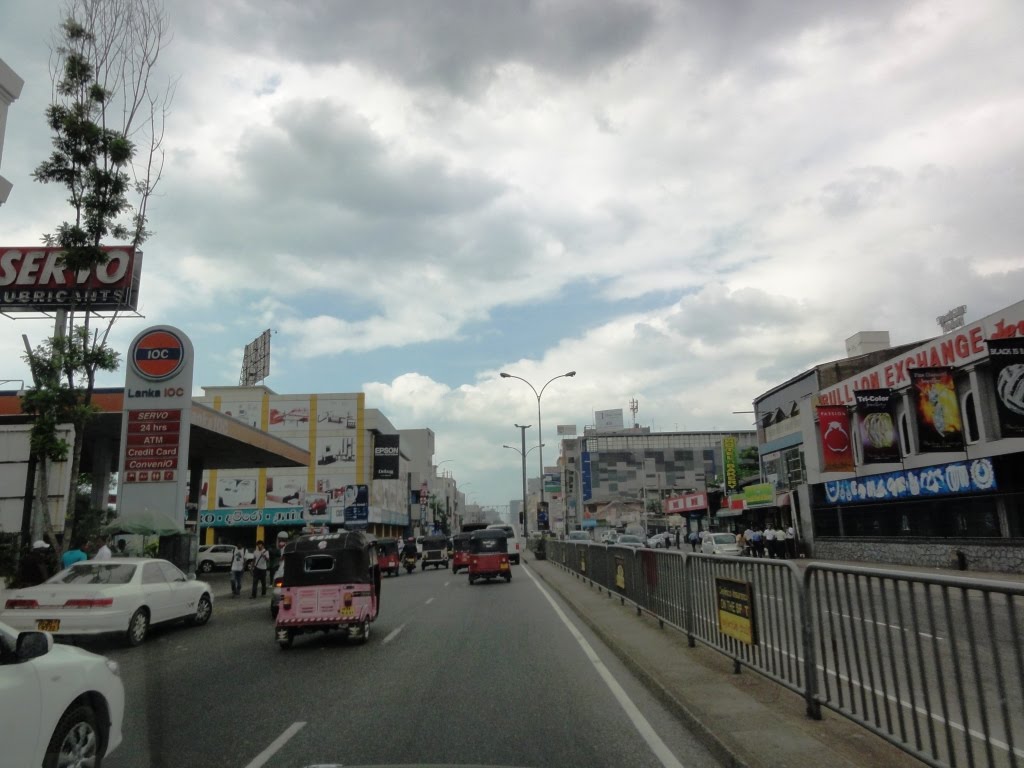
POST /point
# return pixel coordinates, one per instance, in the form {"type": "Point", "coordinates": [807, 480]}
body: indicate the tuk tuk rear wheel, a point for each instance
{"type": "Point", "coordinates": [285, 637]}
{"type": "Point", "coordinates": [364, 632]}
{"type": "Point", "coordinates": [508, 578]}
{"type": "Point", "coordinates": [472, 580]}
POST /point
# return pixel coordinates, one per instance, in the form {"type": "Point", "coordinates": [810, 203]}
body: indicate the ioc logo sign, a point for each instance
{"type": "Point", "coordinates": [158, 355]}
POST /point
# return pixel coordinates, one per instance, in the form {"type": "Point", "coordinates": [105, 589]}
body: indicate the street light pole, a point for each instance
{"type": "Point", "coordinates": [540, 430]}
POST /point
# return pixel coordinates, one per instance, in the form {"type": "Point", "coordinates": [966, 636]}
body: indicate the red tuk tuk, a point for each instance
{"type": "Point", "coordinates": [388, 556]}
{"type": "Point", "coordinates": [460, 551]}
{"type": "Point", "coordinates": [488, 555]}
{"type": "Point", "coordinates": [330, 581]}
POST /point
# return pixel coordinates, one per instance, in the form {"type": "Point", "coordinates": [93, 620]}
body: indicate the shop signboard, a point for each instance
{"type": "Point", "coordinates": [731, 463]}
{"type": "Point", "coordinates": [939, 427]}
{"type": "Point", "coordinates": [1007, 356]}
{"type": "Point", "coordinates": [974, 476]}
{"type": "Point", "coordinates": [385, 457]}
{"type": "Point", "coordinates": [759, 495]}
{"type": "Point", "coordinates": [33, 279]}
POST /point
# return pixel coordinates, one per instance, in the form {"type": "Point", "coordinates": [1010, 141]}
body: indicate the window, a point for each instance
{"type": "Point", "coordinates": [319, 563]}
{"type": "Point", "coordinates": [95, 573]}
{"type": "Point", "coordinates": [971, 432]}
{"type": "Point", "coordinates": [171, 573]}
{"type": "Point", "coordinates": [151, 574]}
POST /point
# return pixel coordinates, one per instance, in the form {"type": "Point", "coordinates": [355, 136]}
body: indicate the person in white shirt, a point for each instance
{"type": "Point", "coordinates": [748, 542]}
{"type": "Point", "coordinates": [103, 553]}
{"type": "Point", "coordinates": [791, 543]}
{"type": "Point", "coordinates": [237, 569]}
{"type": "Point", "coordinates": [769, 540]}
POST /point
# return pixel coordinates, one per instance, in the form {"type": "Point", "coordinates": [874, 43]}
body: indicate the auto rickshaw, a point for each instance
{"type": "Point", "coordinates": [488, 555]}
{"type": "Point", "coordinates": [435, 551]}
{"type": "Point", "coordinates": [330, 581]}
{"type": "Point", "coordinates": [460, 551]}
{"type": "Point", "coordinates": [388, 556]}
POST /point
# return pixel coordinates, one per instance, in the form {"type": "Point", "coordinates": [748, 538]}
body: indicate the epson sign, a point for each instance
{"type": "Point", "coordinates": [385, 457]}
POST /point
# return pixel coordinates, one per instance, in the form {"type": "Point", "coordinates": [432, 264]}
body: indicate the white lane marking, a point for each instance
{"type": "Point", "coordinates": [429, 601]}
{"type": "Point", "coordinates": [392, 635]}
{"type": "Point", "coordinates": [658, 747]}
{"type": "Point", "coordinates": [275, 745]}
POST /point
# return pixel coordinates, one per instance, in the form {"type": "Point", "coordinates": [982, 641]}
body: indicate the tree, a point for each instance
{"type": "Point", "coordinates": [441, 521]}
{"type": "Point", "coordinates": [108, 127]}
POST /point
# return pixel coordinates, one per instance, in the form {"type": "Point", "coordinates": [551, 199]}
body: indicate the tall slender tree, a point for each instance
{"type": "Point", "coordinates": [107, 120]}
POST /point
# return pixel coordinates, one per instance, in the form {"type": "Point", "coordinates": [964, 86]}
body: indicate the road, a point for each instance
{"type": "Point", "coordinates": [452, 674]}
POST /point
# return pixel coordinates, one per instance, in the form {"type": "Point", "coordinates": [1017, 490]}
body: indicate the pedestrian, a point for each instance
{"type": "Point", "coordinates": [122, 548]}
{"type": "Point", "coordinates": [260, 563]}
{"type": "Point", "coordinates": [694, 539]}
{"type": "Point", "coordinates": [74, 555]}
{"type": "Point", "coordinates": [791, 543]}
{"type": "Point", "coordinates": [237, 569]}
{"type": "Point", "coordinates": [677, 536]}
{"type": "Point", "coordinates": [748, 542]}
{"type": "Point", "coordinates": [35, 567]}
{"type": "Point", "coordinates": [757, 540]}
{"type": "Point", "coordinates": [103, 551]}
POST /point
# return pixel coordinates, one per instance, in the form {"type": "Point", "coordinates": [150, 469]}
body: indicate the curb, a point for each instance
{"type": "Point", "coordinates": [718, 748]}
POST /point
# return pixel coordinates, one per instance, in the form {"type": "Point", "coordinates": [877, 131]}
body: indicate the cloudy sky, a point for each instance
{"type": "Point", "coordinates": [685, 202]}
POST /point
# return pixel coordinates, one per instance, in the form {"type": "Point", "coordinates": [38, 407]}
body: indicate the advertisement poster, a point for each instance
{"type": "Point", "coordinates": [730, 461]}
{"type": "Point", "coordinates": [939, 427]}
{"type": "Point", "coordinates": [385, 457]}
{"type": "Point", "coordinates": [1007, 356]}
{"type": "Point", "coordinates": [834, 431]}
{"type": "Point", "coordinates": [350, 505]}
{"type": "Point", "coordinates": [876, 426]}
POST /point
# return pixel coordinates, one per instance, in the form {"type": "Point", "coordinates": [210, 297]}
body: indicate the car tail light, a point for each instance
{"type": "Point", "coordinates": [348, 599]}
{"type": "Point", "coordinates": [14, 603]}
{"type": "Point", "coordinates": [473, 560]}
{"type": "Point", "coordinates": [278, 583]}
{"type": "Point", "coordinates": [99, 602]}
{"type": "Point", "coordinates": [286, 601]}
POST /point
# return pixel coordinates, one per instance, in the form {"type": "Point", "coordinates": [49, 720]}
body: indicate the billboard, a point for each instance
{"type": "Point", "coordinates": [608, 419]}
{"type": "Point", "coordinates": [939, 427]}
{"type": "Point", "coordinates": [876, 426]}
{"type": "Point", "coordinates": [553, 482]}
{"type": "Point", "coordinates": [385, 457]}
{"type": "Point", "coordinates": [834, 435]}
{"type": "Point", "coordinates": [566, 430]}
{"type": "Point", "coordinates": [32, 279]}
{"type": "Point", "coordinates": [1007, 356]}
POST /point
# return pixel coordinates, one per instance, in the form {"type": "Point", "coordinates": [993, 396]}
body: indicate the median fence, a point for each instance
{"type": "Point", "coordinates": [932, 664]}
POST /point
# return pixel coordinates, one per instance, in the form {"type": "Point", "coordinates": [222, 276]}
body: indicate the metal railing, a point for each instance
{"type": "Point", "coordinates": [932, 664]}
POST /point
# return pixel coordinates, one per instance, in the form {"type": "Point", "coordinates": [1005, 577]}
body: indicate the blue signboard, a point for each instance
{"type": "Point", "coordinates": [943, 480]}
{"type": "Point", "coordinates": [585, 472]}
{"type": "Point", "coordinates": [252, 517]}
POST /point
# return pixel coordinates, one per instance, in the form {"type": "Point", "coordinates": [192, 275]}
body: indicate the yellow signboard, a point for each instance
{"type": "Point", "coordinates": [736, 610]}
{"type": "Point", "coordinates": [620, 572]}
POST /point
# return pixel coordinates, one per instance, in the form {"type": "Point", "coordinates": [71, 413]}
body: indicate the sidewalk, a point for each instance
{"type": "Point", "coordinates": [745, 719]}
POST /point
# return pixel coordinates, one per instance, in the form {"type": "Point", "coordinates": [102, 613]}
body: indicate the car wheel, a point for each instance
{"type": "Point", "coordinates": [206, 566]}
{"type": "Point", "coordinates": [76, 740]}
{"type": "Point", "coordinates": [204, 609]}
{"type": "Point", "coordinates": [138, 627]}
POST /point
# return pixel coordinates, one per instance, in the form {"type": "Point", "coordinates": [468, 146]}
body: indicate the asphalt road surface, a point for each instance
{"type": "Point", "coordinates": [453, 674]}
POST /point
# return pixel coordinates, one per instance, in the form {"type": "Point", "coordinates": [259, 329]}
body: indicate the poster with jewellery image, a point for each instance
{"type": "Point", "coordinates": [876, 426]}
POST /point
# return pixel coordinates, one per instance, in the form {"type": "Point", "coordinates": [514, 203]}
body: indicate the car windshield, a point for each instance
{"type": "Point", "coordinates": [629, 539]}
{"type": "Point", "coordinates": [725, 538]}
{"type": "Point", "coordinates": [95, 573]}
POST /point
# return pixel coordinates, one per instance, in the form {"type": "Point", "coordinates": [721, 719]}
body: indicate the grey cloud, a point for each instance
{"type": "Point", "coordinates": [448, 43]}
{"type": "Point", "coordinates": [860, 189]}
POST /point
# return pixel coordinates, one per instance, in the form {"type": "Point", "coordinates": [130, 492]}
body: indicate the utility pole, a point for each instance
{"type": "Point", "coordinates": [522, 431]}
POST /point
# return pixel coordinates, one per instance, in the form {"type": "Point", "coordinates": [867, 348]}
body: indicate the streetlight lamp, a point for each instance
{"type": "Point", "coordinates": [524, 455]}
{"type": "Point", "coordinates": [540, 434]}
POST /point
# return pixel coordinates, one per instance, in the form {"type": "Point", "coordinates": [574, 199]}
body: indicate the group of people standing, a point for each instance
{"type": "Point", "coordinates": [40, 562]}
{"type": "Point", "coordinates": [771, 542]}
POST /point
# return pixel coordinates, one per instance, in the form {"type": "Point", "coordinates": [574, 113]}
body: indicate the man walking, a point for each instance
{"type": "Point", "coordinates": [237, 569]}
{"type": "Point", "coordinates": [103, 551]}
{"type": "Point", "coordinates": [260, 563]}
{"type": "Point", "coordinates": [791, 543]}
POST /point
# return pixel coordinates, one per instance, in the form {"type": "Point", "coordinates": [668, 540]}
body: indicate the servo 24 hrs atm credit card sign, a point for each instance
{"type": "Point", "coordinates": [153, 467]}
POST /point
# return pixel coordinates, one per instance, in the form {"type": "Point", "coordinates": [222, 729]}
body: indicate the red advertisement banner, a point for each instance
{"type": "Point", "coordinates": [834, 434]}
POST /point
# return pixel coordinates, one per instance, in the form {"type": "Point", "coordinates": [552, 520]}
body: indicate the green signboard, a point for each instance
{"type": "Point", "coordinates": [759, 495]}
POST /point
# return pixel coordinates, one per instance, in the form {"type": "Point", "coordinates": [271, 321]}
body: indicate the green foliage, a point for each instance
{"type": "Point", "coordinates": [441, 517]}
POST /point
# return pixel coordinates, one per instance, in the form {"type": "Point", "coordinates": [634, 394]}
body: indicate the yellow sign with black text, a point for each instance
{"type": "Point", "coordinates": [736, 610]}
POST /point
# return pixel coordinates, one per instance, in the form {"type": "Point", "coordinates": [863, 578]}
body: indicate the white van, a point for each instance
{"type": "Point", "coordinates": [514, 543]}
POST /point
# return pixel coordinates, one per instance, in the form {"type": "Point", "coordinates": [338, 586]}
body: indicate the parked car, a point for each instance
{"type": "Point", "coordinates": [579, 536]}
{"type": "Point", "coordinates": [609, 537]}
{"type": "Point", "coordinates": [630, 540]}
{"type": "Point", "coordinates": [721, 544]}
{"type": "Point", "coordinates": [126, 595]}
{"type": "Point", "coordinates": [58, 701]}
{"type": "Point", "coordinates": [661, 540]}
{"type": "Point", "coordinates": [215, 556]}
{"type": "Point", "coordinates": [514, 542]}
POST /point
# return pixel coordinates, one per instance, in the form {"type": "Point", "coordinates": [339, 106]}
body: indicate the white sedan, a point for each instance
{"type": "Point", "coordinates": [124, 595]}
{"type": "Point", "coordinates": [721, 544]}
{"type": "Point", "coordinates": [62, 705]}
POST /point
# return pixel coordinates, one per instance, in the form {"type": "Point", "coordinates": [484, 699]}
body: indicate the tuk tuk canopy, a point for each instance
{"type": "Point", "coordinates": [460, 542]}
{"type": "Point", "coordinates": [330, 558]}
{"type": "Point", "coordinates": [488, 541]}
